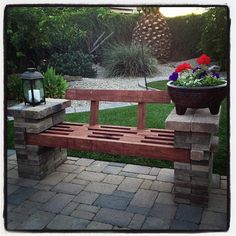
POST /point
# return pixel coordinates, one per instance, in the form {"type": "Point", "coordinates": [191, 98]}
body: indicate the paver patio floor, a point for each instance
{"type": "Point", "coordinates": [84, 194]}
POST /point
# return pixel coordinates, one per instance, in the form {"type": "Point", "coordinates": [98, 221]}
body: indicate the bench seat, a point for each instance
{"type": "Point", "coordinates": [120, 140]}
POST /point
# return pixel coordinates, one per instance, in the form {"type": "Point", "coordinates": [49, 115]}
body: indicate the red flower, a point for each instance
{"type": "Point", "coordinates": [182, 67]}
{"type": "Point", "coordinates": [204, 60]}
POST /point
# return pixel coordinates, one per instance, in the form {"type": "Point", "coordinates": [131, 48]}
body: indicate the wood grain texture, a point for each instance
{"type": "Point", "coordinates": [141, 115]}
{"type": "Point", "coordinates": [118, 95]}
{"type": "Point", "coordinates": [94, 109]}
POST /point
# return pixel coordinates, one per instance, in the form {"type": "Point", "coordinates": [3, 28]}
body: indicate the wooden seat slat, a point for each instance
{"type": "Point", "coordinates": [62, 126]}
{"type": "Point", "coordinates": [116, 127]}
{"type": "Point", "coordinates": [113, 130]}
{"type": "Point", "coordinates": [158, 141]}
{"type": "Point", "coordinates": [170, 138]}
{"type": "Point", "coordinates": [56, 132]}
{"type": "Point", "coordinates": [106, 133]}
{"type": "Point", "coordinates": [61, 129]}
{"type": "Point", "coordinates": [103, 136]}
{"type": "Point", "coordinates": [73, 123]}
{"type": "Point", "coordinates": [163, 131]}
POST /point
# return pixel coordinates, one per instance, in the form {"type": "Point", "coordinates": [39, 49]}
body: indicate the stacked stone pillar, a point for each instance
{"type": "Point", "coordinates": [194, 131]}
{"type": "Point", "coordinates": [33, 161]}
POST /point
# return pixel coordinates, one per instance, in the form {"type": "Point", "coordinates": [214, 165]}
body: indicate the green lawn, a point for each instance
{"type": "Point", "coordinates": [156, 115]}
{"type": "Point", "coordinates": [158, 84]}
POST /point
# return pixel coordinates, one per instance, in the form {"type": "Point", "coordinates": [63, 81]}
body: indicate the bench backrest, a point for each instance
{"type": "Point", "coordinates": [141, 97]}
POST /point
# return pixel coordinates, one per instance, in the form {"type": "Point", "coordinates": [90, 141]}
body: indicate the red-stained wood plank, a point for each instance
{"type": "Point", "coordinates": [158, 141]}
{"type": "Point", "coordinates": [107, 133]}
{"type": "Point", "coordinates": [99, 136]}
{"type": "Point", "coordinates": [163, 131]}
{"type": "Point", "coordinates": [159, 138]}
{"type": "Point", "coordinates": [141, 115]}
{"type": "Point", "coordinates": [94, 108]}
{"type": "Point", "coordinates": [56, 132]}
{"type": "Point", "coordinates": [146, 150]}
{"type": "Point", "coordinates": [62, 126]}
{"type": "Point", "coordinates": [73, 123]}
{"type": "Point", "coordinates": [113, 130]}
{"type": "Point", "coordinates": [61, 129]}
{"type": "Point", "coordinates": [116, 127]}
{"type": "Point", "coordinates": [118, 95]}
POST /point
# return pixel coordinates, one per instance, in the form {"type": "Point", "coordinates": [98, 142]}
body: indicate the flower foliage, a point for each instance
{"type": "Point", "coordinates": [200, 76]}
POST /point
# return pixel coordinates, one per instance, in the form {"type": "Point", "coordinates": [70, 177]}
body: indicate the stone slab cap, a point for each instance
{"type": "Point", "coordinates": [38, 112]}
{"type": "Point", "coordinates": [204, 122]}
{"type": "Point", "coordinates": [180, 122]}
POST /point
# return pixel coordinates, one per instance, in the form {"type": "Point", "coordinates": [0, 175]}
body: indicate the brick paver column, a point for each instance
{"type": "Point", "coordinates": [36, 162]}
{"type": "Point", "coordinates": [195, 131]}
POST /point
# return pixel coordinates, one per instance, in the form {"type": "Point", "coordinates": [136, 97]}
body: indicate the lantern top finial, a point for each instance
{"type": "Point", "coordinates": [31, 74]}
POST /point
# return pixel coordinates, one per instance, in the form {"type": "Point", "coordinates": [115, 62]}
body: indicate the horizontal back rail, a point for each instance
{"type": "Point", "coordinates": [118, 95]}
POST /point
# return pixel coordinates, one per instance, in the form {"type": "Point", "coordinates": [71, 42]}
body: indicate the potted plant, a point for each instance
{"type": "Point", "coordinates": [199, 87]}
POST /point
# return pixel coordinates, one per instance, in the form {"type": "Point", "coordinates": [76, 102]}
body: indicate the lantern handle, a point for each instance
{"type": "Point", "coordinates": [31, 69]}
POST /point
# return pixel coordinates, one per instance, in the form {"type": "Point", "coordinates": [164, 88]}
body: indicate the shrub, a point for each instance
{"type": "Point", "coordinates": [14, 88]}
{"type": "Point", "coordinates": [123, 60]}
{"type": "Point", "coordinates": [73, 63]}
{"type": "Point", "coordinates": [186, 34]}
{"type": "Point", "coordinates": [55, 85]}
{"type": "Point", "coordinates": [215, 38]}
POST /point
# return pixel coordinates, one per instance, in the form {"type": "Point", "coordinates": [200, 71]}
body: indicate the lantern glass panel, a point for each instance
{"type": "Point", "coordinates": [27, 91]}
{"type": "Point", "coordinates": [38, 90]}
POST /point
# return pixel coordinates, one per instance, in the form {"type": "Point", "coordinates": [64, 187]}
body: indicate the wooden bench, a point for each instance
{"type": "Point", "coordinates": [131, 141]}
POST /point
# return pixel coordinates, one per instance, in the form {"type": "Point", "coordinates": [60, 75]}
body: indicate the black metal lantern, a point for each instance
{"type": "Point", "coordinates": [33, 87]}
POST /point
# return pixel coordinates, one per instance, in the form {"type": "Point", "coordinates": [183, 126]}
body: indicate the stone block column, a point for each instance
{"type": "Point", "coordinates": [33, 161]}
{"type": "Point", "coordinates": [194, 131]}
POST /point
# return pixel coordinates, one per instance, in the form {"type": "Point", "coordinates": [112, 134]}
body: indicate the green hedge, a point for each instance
{"type": "Point", "coordinates": [214, 39]}
{"type": "Point", "coordinates": [73, 63]}
{"type": "Point", "coordinates": [196, 34]}
{"type": "Point", "coordinates": [185, 36]}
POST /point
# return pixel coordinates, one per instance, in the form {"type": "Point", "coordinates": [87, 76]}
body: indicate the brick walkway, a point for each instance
{"type": "Point", "coordinates": [84, 194]}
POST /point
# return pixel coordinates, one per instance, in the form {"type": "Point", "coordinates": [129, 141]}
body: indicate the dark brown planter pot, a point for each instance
{"type": "Point", "coordinates": [197, 97]}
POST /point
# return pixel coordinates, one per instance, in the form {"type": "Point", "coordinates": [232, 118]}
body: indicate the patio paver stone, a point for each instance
{"type": "Point", "coordinates": [130, 184]}
{"type": "Point", "coordinates": [86, 197]}
{"type": "Point", "coordinates": [61, 222]}
{"type": "Point", "coordinates": [58, 202]}
{"type": "Point", "coordinates": [111, 201]}
{"type": "Point", "coordinates": [114, 217]}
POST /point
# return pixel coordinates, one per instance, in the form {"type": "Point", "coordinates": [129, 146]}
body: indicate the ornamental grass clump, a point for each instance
{"type": "Point", "coordinates": [201, 76]}
{"type": "Point", "coordinates": [124, 60]}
